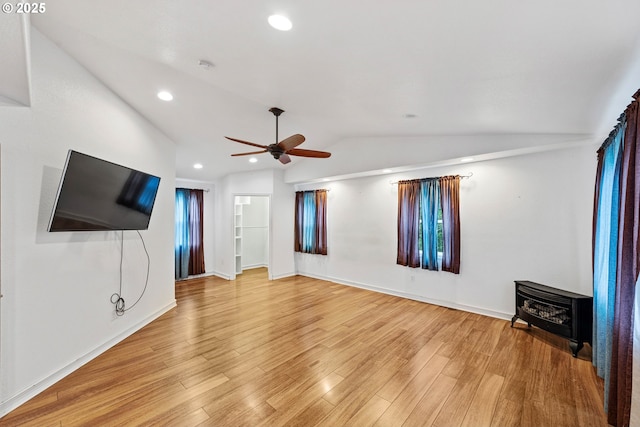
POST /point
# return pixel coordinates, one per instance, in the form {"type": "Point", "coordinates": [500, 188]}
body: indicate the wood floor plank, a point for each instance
{"type": "Point", "coordinates": [369, 413]}
{"type": "Point", "coordinates": [399, 381]}
{"type": "Point", "coordinates": [426, 411]}
{"type": "Point", "coordinates": [312, 415]}
{"type": "Point", "coordinates": [359, 392]}
{"type": "Point", "coordinates": [310, 388]}
{"type": "Point", "coordinates": [484, 402]}
{"type": "Point", "coordinates": [414, 391]}
{"type": "Point", "coordinates": [508, 414]}
{"type": "Point", "coordinates": [246, 403]}
{"type": "Point", "coordinates": [305, 352]}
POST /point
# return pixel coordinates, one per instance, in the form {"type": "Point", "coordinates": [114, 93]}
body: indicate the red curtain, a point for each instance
{"type": "Point", "coordinates": [196, 232]}
{"type": "Point", "coordinates": [627, 273]}
{"type": "Point", "coordinates": [321, 223]}
{"type": "Point", "coordinates": [318, 245]}
{"type": "Point", "coordinates": [450, 199]}
{"type": "Point", "coordinates": [298, 220]}
{"type": "Point", "coordinates": [409, 205]}
{"type": "Point", "coordinates": [408, 223]}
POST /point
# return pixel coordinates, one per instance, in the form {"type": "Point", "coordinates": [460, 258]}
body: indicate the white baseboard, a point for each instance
{"type": "Point", "coordinates": [448, 304]}
{"type": "Point", "coordinates": [206, 274]}
{"type": "Point", "coordinates": [211, 273]}
{"type": "Point", "coordinates": [284, 275]}
{"type": "Point", "coordinates": [23, 396]}
{"type": "Point", "coordinates": [251, 266]}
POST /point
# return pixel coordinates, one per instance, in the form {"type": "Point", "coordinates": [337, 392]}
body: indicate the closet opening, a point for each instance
{"type": "Point", "coordinates": [251, 232]}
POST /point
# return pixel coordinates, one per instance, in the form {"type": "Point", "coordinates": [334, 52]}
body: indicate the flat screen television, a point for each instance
{"type": "Point", "coordinates": [97, 195]}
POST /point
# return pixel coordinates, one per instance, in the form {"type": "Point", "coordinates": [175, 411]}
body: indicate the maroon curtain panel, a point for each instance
{"type": "Point", "coordinates": [408, 223]}
{"type": "Point", "coordinates": [450, 200]}
{"type": "Point", "coordinates": [321, 222]}
{"type": "Point", "coordinates": [627, 274]}
{"type": "Point", "coordinates": [299, 215]}
{"type": "Point", "coordinates": [196, 232]}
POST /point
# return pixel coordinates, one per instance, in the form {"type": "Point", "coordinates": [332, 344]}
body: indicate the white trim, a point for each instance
{"type": "Point", "coordinates": [23, 396]}
{"type": "Point", "coordinates": [220, 275]}
{"type": "Point", "coordinates": [448, 304]}
{"type": "Point", "coordinates": [197, 276]}
{"type": "Point", "coordinates": [252, 266]}
{"type": "Point", "coordinates": [285, 275]}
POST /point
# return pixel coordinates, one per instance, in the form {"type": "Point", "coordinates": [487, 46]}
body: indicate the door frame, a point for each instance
{"type": "Point", "coordinates": [269, 231]}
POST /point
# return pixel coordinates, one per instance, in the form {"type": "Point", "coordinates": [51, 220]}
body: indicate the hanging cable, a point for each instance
{"type": "Point", "coordinates": [116, 298]}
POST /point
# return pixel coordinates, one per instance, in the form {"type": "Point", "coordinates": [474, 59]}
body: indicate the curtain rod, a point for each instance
{"type": "Point", "coordinates": [461, 177]}
{"type": "Point", "coordinates": [206, 190]}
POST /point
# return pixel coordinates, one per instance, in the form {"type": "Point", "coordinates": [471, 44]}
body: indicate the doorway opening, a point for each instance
{"type": "Point", "coordinates": [251, 234]}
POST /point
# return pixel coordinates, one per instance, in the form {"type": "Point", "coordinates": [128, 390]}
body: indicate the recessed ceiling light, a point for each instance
{"type": "Point", "coordinates": [409, 116]}
{"type": "Point", "coordinates": [253, 160]}
{"type": "Point", "coordinates": [165, 96]}
{"type": "Point", "coordinates": [280, 22]}
{"type": "Point", "coordinates": [197, 166]}
{"type": "Point", "coordinates": [386, 170]}
{"type": "Point", "coordinates": [467, 159]}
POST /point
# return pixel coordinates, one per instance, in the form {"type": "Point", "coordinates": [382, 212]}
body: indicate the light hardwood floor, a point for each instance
{"type": "Point", "coordinates": [306, 352]}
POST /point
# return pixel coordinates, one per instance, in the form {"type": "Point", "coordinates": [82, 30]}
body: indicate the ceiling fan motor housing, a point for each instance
{"type": "Point", "coordinates": [275, 150]}
{"type": "Point", "coordinates": [276, 111]}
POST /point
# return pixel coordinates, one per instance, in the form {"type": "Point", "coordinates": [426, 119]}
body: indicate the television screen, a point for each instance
{"type": "Point", "coordinates": [98, 195]}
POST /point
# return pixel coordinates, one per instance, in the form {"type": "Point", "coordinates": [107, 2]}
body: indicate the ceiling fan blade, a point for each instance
{"type": "Point", "coordinates": [284, 159]}
{"type": "Point", "coordinates": [308, 153]}
{"type": "Point", "coordinates": [251, 152]}
{"type": "Point", "coordinates": [246, 142]}
{"type": "Point", "coordinates": [291, 142]}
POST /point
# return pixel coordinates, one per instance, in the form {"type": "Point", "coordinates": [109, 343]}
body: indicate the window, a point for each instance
{"type": "Point", "coordinates": [429, 223]}
{"type": "Point", "coordinates": [311, 222]}
{"type": "Point", "coordinates": [439, 236]}
{"type": "Point", "coordinates": [189, 250]}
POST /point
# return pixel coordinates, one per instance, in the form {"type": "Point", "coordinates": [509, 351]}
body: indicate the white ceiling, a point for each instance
{"type": "Point", "coordinates": [14, 75]}
{"type": "Point", "coordinates": [353, 69]}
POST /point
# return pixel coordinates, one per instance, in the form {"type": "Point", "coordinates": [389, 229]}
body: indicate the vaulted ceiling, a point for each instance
{"type": "Point", "coordinates": [354, 69]}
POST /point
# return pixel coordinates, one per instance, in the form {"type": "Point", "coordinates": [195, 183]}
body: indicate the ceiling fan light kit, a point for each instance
{"type": "Point", "coordinates": [283, 149]}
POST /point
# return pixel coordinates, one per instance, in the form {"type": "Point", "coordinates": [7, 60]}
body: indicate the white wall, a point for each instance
{"type": "Point", "coordinates": [209, 219]}
{"type": "Point", "coordinates": [522, 218]}
{"type": "Point", "coordinates": [282, 215]}
{"type": "Point", "coordinates": [56, 310]}
{"type": "Point", "coordinates": [255, 232]}
{"type": "Point", "coordinates": [266, 183]}
{"type": "Point", "coordinates": [369, 155]}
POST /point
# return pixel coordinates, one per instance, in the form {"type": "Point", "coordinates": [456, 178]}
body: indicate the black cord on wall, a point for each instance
{"type": "Point", "coordinates": [116, 298]}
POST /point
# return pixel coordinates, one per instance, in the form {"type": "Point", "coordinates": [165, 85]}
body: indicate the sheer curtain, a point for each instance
{"type": "Point", "coordinates": [309, 222]}
{"type": "Point", "coordinates": [430, 203]}
{"type": "Point", "coordinates": [605, 253]}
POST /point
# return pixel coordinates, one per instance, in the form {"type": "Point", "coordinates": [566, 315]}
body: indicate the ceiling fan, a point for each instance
{"type": "Point", "coordinates": [283, 149]}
